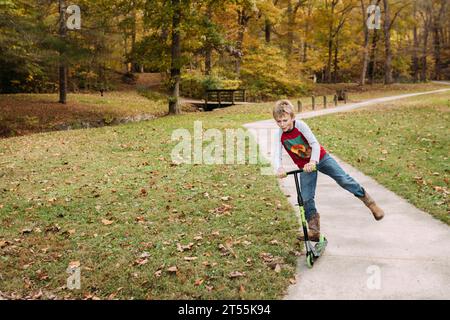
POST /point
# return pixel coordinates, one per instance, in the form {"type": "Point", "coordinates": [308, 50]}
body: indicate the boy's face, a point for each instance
{"type": "Point", "coordinates": [285, 122]}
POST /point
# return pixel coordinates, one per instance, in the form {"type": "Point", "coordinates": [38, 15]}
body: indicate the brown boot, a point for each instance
{"type": "Point", "coordinates": [377, 212]}
{"type": "Point", "coordinates": [313, 229]}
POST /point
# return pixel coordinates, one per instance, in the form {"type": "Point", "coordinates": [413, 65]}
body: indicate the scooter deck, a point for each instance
{"type": "Point", "coordinates": [319, 247]}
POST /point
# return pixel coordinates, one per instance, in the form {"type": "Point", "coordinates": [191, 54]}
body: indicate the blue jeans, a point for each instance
{"type": "Point", "coordinates": [330, 167]}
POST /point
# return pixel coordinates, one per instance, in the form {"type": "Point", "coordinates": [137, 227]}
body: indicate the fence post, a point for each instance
{"type": "Point", "coordinates": [325, 102]}
{"type": "Point", "coordinates": [335, 100]}
{"type": "Point", "coordinates": [313, 102]}
{"type": "Point", "coordinates": [345, 97]}
{"type": "Point", "coordinates": [299, 106]}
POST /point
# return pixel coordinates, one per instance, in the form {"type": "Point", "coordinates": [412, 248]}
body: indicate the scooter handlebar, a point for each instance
{"type": "Point", "coordinates": [298, 171]}
{"type": "Point", "coordinates": [294, 171]}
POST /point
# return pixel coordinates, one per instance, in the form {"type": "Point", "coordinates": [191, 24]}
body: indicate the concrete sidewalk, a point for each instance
{"type": "Point", "coordinates": [404, 256]}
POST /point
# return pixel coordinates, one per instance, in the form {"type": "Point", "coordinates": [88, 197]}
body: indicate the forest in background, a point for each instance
{"type": "Point", "coordinates": [273, 48]}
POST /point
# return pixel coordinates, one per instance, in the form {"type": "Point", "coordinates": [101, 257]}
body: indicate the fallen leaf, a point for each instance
{"type": "Point", "coordinates": [27, 230]}
{"type": "Point", "coordinates": [107, 222]}
{"type": "Point", "coordinates": [182, 248]}
{"type": "Point", "coordinates": [198, 282]}
{"type": "Point", "coordinates": [4, 244]}
{"type": "Point", "coordinates": [236, 274]}
{"type": "Point", "coordinates": [74, 264]}
{"type": "Point", "coordinates": [190, 258]}
{"type": "Point", "coordinates": [223, 209]}
{"type": "Point", "coordinates": [141, 261]}
{"type": "Point", "coordinates": [42, 275]}
{"type": "Point", "coordinates": [140, 219]}
{"type": "Point", "coordinates": [277, 268]}
{"type": "Point", "coordinates": [53, 228]}
{"type": "Point", "coordinates": [158, 273]}
{"type": "Point", "coordinates": [172, 269]}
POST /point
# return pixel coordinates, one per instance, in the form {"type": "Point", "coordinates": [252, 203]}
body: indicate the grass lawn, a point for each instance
{"type": "Point", "coordinates": [404, 147]}
{"type": "Point", "coordinates": [111, 200]}
{"type": "Point", "coordinates": [29, 113]}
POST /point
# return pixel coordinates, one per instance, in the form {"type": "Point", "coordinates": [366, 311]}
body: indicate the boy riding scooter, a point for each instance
{"type": "Point", "coordinates": [306, 152]}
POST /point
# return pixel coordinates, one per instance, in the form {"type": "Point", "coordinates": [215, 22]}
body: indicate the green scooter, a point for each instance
{"type": "Point", "coordinates": [313, 252]}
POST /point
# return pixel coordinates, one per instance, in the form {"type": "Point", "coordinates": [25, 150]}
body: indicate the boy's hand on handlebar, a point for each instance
{"type": "Point", "coordinates": [310, 166]}
{"type": "Point", "coordinates": [281, 173]}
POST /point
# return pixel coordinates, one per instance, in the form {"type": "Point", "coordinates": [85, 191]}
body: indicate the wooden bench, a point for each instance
{"type": "Point", "coordinates": [218, 98]}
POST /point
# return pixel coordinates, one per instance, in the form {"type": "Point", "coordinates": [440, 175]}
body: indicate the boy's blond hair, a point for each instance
{"type": "Point", "coordinates": [282, 107]}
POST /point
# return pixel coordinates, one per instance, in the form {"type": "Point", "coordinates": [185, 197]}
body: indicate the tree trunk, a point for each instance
{"type": "Point", "coordinates": [134, 65]}
{"type": "Point", "coordinates": [239, 48]}
{"type": "Point", "coordinates": [415, 58]}
{"type": "Point", "coordinates": [175, 68]}
{"type": "Point", "coordinates": [208, 60]}
{"type": "Point", "coordinates": [290, 26]}
{"type": "Point", "coordinates": [436, 53]}
{"type": "Point", "coordinates": [242, 23]}
{"type": "Point", "coordinates": [208, 48]}
{"type": "Point", "coordinates": [62, 58]}
{"type": "Point", "coordinates": [387, 44]}
{"type": "Point", "coordinates": [423, 58]}
{"type": "Point", "coordinates": [267, 30]}
{"type": "Point", "coordinates": [362, 80]}
{"type": "Point", "coordinates": [336, 62]}
{"type": "Point", "coordinates": [330, 42]}
{"type": "Point", "coordinates": [437, 31]}
{"type": "Point", "coordinates": [307, 27]}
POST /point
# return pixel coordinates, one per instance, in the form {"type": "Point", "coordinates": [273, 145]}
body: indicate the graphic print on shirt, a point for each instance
{"type": "Point", "coordinates": [298, 147]}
